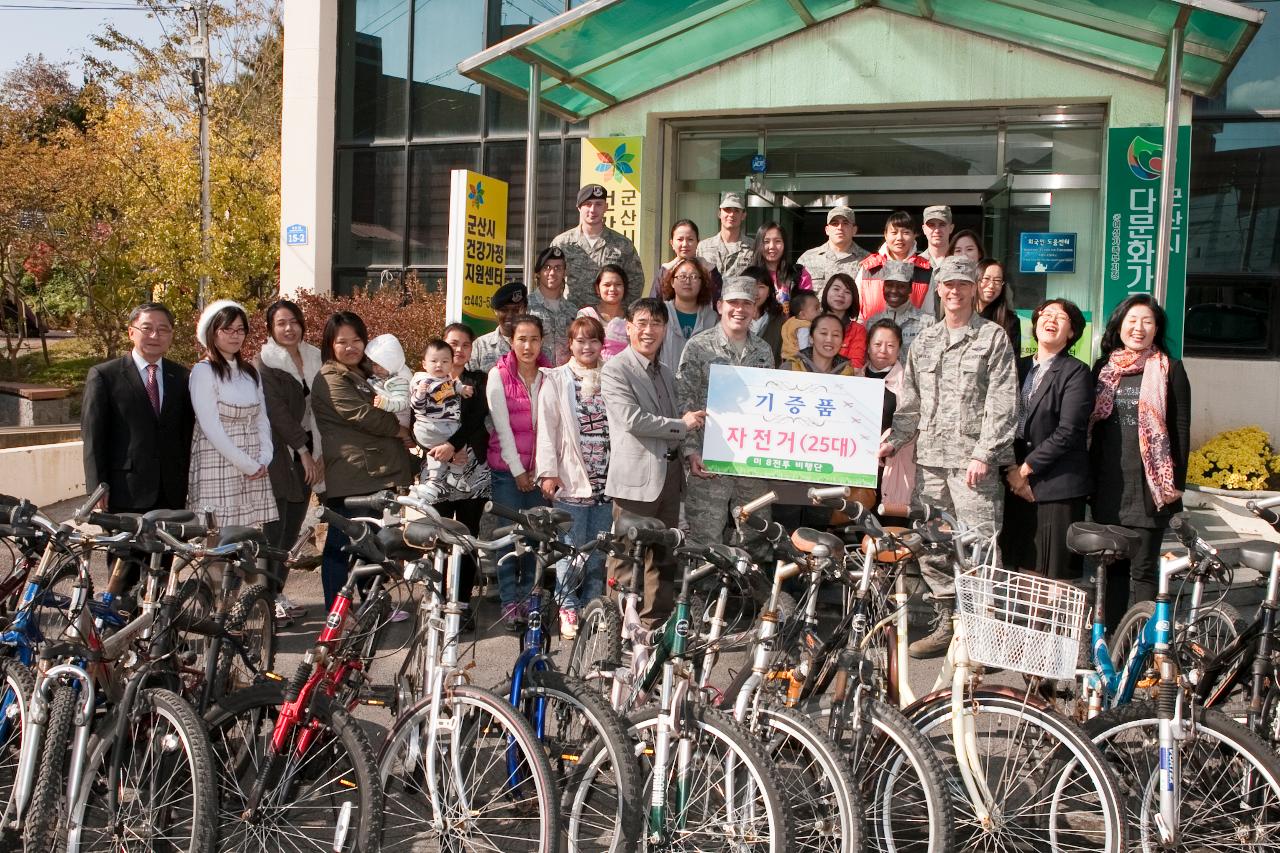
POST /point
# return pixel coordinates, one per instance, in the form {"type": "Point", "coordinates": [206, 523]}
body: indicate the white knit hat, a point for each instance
{"type": "Point", "coordinates": [385, 351]}
{"type": "Point", "coordinates": [202, 328]}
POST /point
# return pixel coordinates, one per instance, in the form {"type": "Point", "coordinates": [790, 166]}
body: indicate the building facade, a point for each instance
{"type": "Point", "coordinates": [871, 107]}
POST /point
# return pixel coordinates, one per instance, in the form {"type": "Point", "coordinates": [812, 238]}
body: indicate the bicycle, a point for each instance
{"type": "Point", "coordinates": [1195, 778]}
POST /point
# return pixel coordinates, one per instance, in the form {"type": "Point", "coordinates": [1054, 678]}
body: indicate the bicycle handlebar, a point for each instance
{"type": "Point", "coordinates": [363, 543]}
{"type": "Point", "coordinates": [742, 513]}
{"type": "Point", "coordinates": [669, 538]}
{"type": "Point", "coordinates": [132, 524]}
{"type": "Point", "coordinates": [1263, 510]}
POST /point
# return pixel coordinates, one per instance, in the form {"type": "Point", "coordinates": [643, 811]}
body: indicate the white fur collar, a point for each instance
{"type": "Point", "coordinates": [274, 355]}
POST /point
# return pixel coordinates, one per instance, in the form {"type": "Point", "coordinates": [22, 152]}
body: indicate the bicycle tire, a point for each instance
{"type": "Point", "coordinates": [487, 733]}
{"type": "Point", "coordinates": [599, 641]}
{"type": "Point", "coordinates": [601, 792]}
{"type": "Point", "coordinates": [1051, 786]}
{"type": "Point", "coordinates": [821, 793]}
{"type": "Point", "coordinates": [336, 770]}
{"type": "Point", "coordinates": [253, 618]}
{"type": "Point", "coordinates": [15, 698]}
{"type": "Point", "coordinates": [45, 819]}
{"type": "Point", "coordinates": [763, 825]}
{"type": "Point", "coordinates": [165, 757]}
{"type": "Point", "coordinates": [908, 805]}
{"type": "Point", "coordinates": [1216, 759]}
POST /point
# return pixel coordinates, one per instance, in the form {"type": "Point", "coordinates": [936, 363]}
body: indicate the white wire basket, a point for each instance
{"type": "Point", "coordinates": [1021, 622]}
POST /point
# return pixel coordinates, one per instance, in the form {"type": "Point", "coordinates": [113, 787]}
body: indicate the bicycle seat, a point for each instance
{"type": "Point", "coordinates": [171, 516]}
{"type": "Point", "coordinates": [1255, 554]}
{"type": "Point", "coordinates": [234, 534]}
{"type": "Point", "coordinates": [421, 534]}
{"type": "Point", "coordinates": [394, 546]}
{"type": "Point", "coordinates": [1090, 539]}
{"type": "Point", "coordinates": [805, 539]}
{"type": "Point", "coordinates": [890, 555]}
{"type": "Point", "coordinates": [627, 520]}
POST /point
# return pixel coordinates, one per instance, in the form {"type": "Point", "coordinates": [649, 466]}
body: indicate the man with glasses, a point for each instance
{"type": "Point", "coordinates": [959, 399]}
{"type": "Point", "coordinates": [710, 497]}
{"type": "Point", "coordinates": [136, 420]}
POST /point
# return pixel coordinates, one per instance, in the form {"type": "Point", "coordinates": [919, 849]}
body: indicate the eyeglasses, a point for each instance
{"type": "Point", "coordinates": [691, 277]}
{"type": "Point", "coordinates": [1055, 315]}
{"type": "Point", "coordinates": [234, 331]}
{"type": "Point", "coordinates": [282, 323]}
{"type": "Point", "coordinates": [648, 324]}
{"type": "Point", "coordinates": [990, 280]}
{"type": "Point", "coordinates": [148, 331]}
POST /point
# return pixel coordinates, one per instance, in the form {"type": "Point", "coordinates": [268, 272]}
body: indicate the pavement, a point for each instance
{"type": "Point", "coordinates": [490, 651]}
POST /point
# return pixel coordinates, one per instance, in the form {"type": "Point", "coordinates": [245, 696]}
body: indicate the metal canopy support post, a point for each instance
{"type": "Point", "coordinates": [531, 178]}
{"type": "Point", "coordinates": [1169, 160]}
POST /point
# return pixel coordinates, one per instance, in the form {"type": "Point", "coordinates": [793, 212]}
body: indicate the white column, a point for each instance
{"type": "Point", "coordinates": [306, 145]}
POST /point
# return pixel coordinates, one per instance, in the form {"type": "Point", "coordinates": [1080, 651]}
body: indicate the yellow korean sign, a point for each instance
{"type": "Point", "coordinates": [477, 247]}
{"type": "Point", "coordinates": [614, 163]}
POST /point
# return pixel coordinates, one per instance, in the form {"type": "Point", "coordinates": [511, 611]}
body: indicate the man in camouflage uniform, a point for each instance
{"type": "Point", "coordinates": [729, 250]}
{"type": "Point", "coordinates": [709, 497]}
{"type": "Point", "coordinates": [897, 276]}
{"type": "Point", "coordinates": [591, 244]}
{"type": "Point", "coordinates": [960, 399]}
{"type": "Point", "coordinates": [508, 303]}
{"type": "Point", "coordinates": [838, 254]}
{"type": "Point", "coordinates": [547, 302]}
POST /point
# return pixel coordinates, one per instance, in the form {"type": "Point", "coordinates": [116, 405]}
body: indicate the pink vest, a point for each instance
{"type": "Point", "coordinates": [520, 413]}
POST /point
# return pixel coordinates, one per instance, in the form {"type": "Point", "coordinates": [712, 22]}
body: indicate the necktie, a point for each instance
{"type": "Point", "coordinates": [153, 388]}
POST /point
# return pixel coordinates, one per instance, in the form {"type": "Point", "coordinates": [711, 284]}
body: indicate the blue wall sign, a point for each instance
{"type": "Point", "coordinates": [1046, 252]}
{"type": "Point", "coordinates": [759, 164]}
{"type": "Point", "coordinates": [295, 235]}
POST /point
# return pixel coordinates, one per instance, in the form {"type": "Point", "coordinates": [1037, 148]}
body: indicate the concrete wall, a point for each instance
{"type": "Point", "coordinates": [306, 140]}
{"type": "Point", "coordinates": [1229, 393]}
{"type": "Point", "coordinates": [870, 59]}
{"type": "Point", "coordinates": [43, 473]}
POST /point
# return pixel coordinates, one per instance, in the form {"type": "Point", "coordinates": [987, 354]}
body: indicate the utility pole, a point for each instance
{"type": "Point", "coordinates": [199, 54]}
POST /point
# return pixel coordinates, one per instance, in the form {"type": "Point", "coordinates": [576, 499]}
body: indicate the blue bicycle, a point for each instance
{"type": "Point", "coordinates": [1194, 779]}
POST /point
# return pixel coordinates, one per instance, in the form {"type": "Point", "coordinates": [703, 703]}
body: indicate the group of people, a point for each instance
{"type": "Point", "coordinates": [590, 396]}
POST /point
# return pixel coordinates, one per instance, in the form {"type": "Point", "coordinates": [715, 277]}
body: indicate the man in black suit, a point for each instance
{"type": "Point", "coordinates": [136, 420]}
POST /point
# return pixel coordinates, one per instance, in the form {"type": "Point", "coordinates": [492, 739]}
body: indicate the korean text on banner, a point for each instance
{"type": "Point", "coordinates": [613, 162]}
{"type": "Point", "coordinates": [477, 247]}
{"type": "Point", "coordinates": [785, 425]}
{"type": "Point", "coordinates": [1135, 162]}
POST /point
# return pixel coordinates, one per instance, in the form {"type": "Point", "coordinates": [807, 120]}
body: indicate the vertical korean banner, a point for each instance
{"type": "Point", "coordinates": [477, 264]}
{"type": "Point", "coordinates": [1135, 162]}
{"type": "Point", "coordinates": [613, 162]}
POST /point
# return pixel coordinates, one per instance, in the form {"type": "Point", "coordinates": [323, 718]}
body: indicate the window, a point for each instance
{"type": "Point", "coordinates": [429, 200]}
{"type": "Point", "coordinates": [373, 65]}
{"type": "Point", "coordinates": [371, 205]}
{"type": "Point", "coordinates": [445, 32]}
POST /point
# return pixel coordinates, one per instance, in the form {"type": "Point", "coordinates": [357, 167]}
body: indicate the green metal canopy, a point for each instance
{"type": "Point", "coordinates": [608, 51]}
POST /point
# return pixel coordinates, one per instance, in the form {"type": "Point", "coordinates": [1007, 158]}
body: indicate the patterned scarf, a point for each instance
{"type": "Point", "coordinates": [1153, 434]}
{"type": "Point", "coordinates": [589, 376]}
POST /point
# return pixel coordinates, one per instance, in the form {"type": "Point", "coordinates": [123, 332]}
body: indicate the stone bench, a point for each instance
{"type": "Point", "coordinates": [25, 404]}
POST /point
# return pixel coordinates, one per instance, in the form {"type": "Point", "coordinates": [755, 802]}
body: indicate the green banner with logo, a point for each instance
{"type": "Point", "coordinates": [1135, 162]}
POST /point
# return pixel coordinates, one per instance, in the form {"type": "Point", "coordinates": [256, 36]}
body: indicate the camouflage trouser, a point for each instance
{"type": "Point", "coordinates": [708, 504]}
{"type": "Point", "coordinates": [981, 506]}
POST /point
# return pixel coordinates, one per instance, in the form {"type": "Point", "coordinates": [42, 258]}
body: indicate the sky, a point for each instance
{"type": "Point", "coordinates": [60, 29]}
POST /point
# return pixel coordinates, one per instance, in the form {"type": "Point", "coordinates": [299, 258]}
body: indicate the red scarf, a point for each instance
{"type": "Point", "coordinates": [1153, 433]}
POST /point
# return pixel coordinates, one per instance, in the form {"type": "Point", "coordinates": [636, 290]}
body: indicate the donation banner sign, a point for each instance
{"type": "Point", "coordinates": [477, 247]}
{"type": "Point", "coordinates": [785, 425]}
{"type": "Point", "coordinates": [613, 162]}
{"type": "Point", "coordinates": [1135, 162]}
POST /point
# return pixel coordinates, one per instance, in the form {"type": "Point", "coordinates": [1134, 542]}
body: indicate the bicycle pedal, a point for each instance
{"type": "Point", "coordinates": [378, 695]}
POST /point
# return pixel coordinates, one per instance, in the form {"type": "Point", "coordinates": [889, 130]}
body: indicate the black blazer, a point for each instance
{"type": "Point", "coordinates": [143, 458]}
{"type": "Point", "coordinates": [1057, 431]}
{"type": "Point", "coordinates": [1104, 450]}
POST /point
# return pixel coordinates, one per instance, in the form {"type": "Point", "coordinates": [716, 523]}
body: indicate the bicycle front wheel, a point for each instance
{"type": "Point", "coordinates": [326, 796]}
{"type": "Point", "coordinates": [1230, 779]}
{"type": "Point", "coordinates": [1050, 788]}
{"type": "Point", "coordinates": [154, 790]}
{"type": "Point", "coordinates": [467, 772]}
{"type": "Point", "coordinates": [726, 797]}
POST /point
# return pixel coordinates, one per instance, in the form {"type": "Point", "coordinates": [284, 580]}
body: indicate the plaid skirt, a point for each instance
{"type": "Point", "coordinates": [216, 484]}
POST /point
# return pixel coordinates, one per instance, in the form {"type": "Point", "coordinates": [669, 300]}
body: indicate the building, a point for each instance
{"type": "Point", "coordinates": [1001, 108]}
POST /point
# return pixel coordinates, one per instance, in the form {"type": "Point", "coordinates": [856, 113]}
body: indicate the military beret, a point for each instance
{"type": "Point", "coordinates": [893, 270]}
{"type": "Point", "coordinates": [591, 192]}
{"type": "Point", "coordinates": [957, 268]}
{"type": "Point", "coordinates": [739, 287]}
{"type": "Point", "coordinates": [511, 293]}
{"type": "Point", "coordinates": [551, 253]}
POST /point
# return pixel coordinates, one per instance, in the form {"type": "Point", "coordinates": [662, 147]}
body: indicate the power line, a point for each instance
{"type": "Point", "coordinates": [44, 7]}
